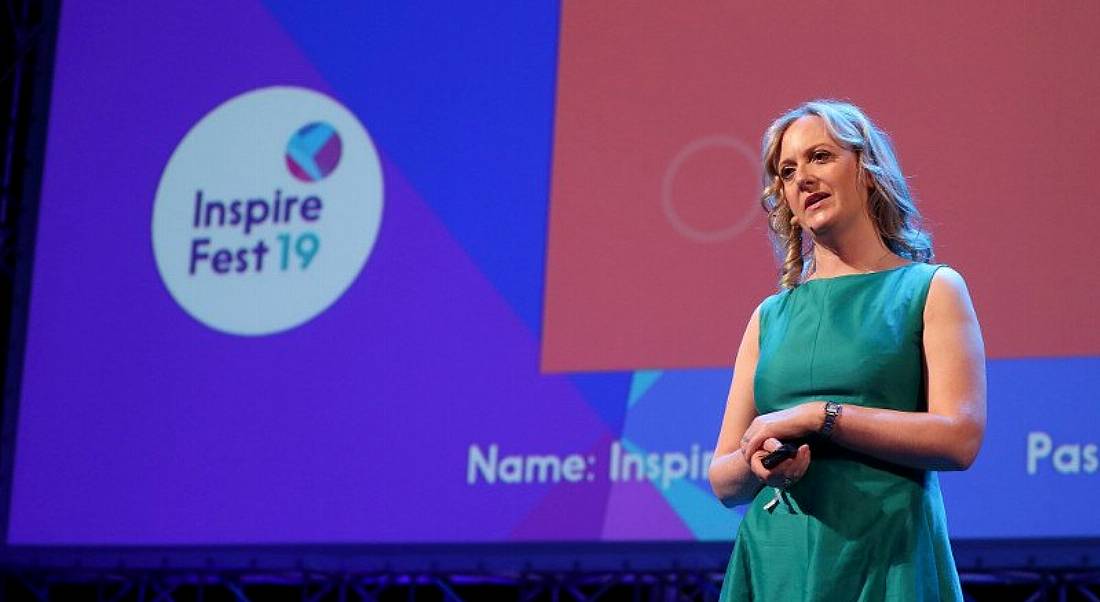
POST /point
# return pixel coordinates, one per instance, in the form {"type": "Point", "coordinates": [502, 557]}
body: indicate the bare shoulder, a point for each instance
{"type": "Point", "coordinates": [755, 317]}
{"type": "Point", "coordinates": [948, 294]}
{"type": "Point", "coordinates": [752, 329]}
{"type": "Point", "coordinates": [947, 287]}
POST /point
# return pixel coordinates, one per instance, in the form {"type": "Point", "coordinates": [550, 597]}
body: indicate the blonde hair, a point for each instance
{"type": "Point", "coordinates": [890, 203]}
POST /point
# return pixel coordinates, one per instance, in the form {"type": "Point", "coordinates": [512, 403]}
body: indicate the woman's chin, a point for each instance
{"type": "Point", "coordinates": [819, 224]}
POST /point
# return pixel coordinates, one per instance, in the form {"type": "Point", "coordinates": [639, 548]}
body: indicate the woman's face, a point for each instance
{"type": "Point", "coordinates": [820, 178]}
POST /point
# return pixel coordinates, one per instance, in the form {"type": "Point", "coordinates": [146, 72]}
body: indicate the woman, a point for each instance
{"type": "Point", "coordinates": [869, 360]}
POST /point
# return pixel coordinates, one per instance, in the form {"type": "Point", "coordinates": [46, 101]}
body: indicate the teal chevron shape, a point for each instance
{"type": "Point", "coordinates": [640, 383]}
{"type": "Point", "coordinates": [707, 518]}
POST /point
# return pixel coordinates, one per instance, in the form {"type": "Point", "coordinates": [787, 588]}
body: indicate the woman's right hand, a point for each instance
{"type": "Point", "coordinates": [788, 471]}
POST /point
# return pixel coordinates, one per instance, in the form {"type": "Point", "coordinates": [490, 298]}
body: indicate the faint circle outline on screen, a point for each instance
{"type": "Point", "coordinates": [688, 231]}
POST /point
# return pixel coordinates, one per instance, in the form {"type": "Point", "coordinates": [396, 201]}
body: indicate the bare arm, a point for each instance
{"type": "Point", "coordinates": [730, 477]}
{"type": "Point", "coordinates": [949, 434]}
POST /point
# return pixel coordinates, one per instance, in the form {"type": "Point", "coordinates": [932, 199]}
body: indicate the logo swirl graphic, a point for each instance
{"type": "Point", "coordinates": [313, 152]}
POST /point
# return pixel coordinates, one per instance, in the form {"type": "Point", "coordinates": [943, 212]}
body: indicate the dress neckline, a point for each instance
{"type": "Point", "coordinates": [886, 271]}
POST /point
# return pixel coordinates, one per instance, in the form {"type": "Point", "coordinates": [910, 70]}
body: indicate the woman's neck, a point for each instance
{"type": "Point", "coordinates": [857, 252]}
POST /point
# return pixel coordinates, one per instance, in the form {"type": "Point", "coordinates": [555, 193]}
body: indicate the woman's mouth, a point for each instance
{"type": "Point", "coordinates": [814, 199]}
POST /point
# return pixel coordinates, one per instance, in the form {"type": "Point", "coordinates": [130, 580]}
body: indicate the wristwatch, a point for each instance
{"type": "Point", "coordinates": [832, 412]}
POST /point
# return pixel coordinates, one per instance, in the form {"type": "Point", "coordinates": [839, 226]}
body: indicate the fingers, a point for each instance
{"type": "Point", "coordinates": [793, 468]}
{"type": "Point", "coordinates": [804, 453]}
{"type": "Point", "coordinates": [799, 464]}
{"type": "Point", "coordinates": [757, 467]}
{"type": "Point", "coordinates": [750, 433]}
{"type": "Point", "coordinates": [755, 443]}
{"type": "Point", "coordinates": [770, 444]}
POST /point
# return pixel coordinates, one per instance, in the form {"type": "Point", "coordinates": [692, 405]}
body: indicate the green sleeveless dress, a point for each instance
{"type": "Point", "coordinates": [854, 527]}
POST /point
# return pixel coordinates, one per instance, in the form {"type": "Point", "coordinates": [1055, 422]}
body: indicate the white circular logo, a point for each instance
{"type": "Point", "coordinates": [267, 211]}
{"type": "Point", "coordinates": [684, 156]}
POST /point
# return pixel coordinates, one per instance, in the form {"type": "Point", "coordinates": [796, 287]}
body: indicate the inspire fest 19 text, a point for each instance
{"type": "Point", "coordinates": [247, 215]}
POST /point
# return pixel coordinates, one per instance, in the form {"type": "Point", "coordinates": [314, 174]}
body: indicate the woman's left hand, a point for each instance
{"type": "Point", "coordinates": [784, 425]}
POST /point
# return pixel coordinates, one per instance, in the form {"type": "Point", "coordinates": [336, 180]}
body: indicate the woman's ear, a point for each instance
{"type": "Point", "coordinates": [865, 179]}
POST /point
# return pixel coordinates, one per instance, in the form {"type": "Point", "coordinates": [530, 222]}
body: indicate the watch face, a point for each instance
{"type": "Point", "coordinates": [832, 410]}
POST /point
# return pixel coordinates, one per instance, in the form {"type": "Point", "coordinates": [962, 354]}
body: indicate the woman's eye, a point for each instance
{"type": "Point", "coordinates": [786, 174]}
{"type": "Point", "coordinates": [821, 155]}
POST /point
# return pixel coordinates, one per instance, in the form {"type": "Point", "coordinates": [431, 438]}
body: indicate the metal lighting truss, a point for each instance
{"type": "Point", "coordinates": [579, 586]}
